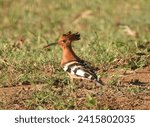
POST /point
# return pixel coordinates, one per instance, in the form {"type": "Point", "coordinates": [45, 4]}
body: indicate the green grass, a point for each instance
{"type": "Point", "coordinates": [26, 26]}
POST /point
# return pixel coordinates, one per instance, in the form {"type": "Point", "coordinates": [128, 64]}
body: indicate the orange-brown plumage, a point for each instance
{"type": "Point", "coordinates": [65, 43]}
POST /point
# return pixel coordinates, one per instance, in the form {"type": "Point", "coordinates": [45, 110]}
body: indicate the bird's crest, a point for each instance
{"type": "Point", "coordinates": [72, 36]}
{"type": "Point", "coordinates": [67, 38]}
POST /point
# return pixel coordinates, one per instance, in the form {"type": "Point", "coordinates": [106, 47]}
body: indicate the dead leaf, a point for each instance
{"type": "Point", "coordinates": [18, 43]}
{"type": "Point", "coordinates": [129, 31]}
{"type": "Point", "coordinates": [84, 15]}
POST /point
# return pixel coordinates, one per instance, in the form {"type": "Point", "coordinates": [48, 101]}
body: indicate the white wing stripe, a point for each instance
{"type": "Point", "coordinates": [80, 73]}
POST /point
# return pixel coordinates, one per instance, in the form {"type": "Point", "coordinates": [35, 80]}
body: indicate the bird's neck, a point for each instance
{"type": "Point", "coordinates": [68, 55]}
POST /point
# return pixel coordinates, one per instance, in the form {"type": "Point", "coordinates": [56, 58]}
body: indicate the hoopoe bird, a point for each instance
{"type": "Point", "coordinates": [71, 63]}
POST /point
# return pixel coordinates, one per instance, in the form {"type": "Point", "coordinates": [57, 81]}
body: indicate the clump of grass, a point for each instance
{"type": "Point", "coordinates": [135, 90]}
{"type": "Point", "coordinates": [114, 80]}
{"type": "Point", "coordinates": [90, 101]}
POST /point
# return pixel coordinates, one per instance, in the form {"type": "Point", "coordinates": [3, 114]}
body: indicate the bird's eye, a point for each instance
{"type": "Point", "coordinates": [64, 41]}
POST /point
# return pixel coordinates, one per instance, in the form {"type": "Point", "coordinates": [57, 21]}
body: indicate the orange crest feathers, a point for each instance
{"type": "Point", "coordinates": [72, 36]}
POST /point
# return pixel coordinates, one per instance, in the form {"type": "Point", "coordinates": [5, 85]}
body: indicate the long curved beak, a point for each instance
{"type": "Point", "coordinates": [49, 45]}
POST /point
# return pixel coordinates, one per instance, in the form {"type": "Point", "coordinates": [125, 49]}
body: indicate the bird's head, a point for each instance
{"type": "Point", "coordinates": [65, 40]}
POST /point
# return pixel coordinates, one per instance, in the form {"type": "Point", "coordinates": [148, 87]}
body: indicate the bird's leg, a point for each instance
{"type": "Point", "coordinates": [81, 84]}
{"type": "Point", "coordinates": [72, 83]}
{"type": "Point", "coordinates": [71, 80]}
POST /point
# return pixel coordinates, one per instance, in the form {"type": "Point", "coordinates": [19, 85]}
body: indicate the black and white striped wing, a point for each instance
{"type": "Point", "coordinates": [80, 70]}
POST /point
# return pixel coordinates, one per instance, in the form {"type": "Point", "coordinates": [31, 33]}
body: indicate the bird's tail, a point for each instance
{"type": "Point", "coordinates": [99, 82]}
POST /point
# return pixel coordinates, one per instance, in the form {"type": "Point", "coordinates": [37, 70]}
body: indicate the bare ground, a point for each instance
{"type": "Point", "coordinates": [127, 90]}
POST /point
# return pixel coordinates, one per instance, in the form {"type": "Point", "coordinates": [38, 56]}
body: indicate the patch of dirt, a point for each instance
{"type": "Point", "coordinates": [132, 90]}
{"type": "Point", "coordinates": [13, 97]}
{"type": "Point", "coordinates": [123, 90]}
